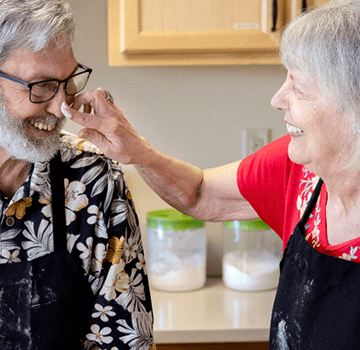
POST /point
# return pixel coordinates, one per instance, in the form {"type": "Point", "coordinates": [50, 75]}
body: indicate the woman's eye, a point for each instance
{"type": "Point", "coordinates": [299, 93]}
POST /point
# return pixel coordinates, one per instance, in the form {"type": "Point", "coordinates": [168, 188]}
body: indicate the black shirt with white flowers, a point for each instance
{"type": "Point", "coordinates": [103, 235]}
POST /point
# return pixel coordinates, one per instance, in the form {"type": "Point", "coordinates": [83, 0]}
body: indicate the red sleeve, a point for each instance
{"type": "Point", "coordinates": [263, 179]}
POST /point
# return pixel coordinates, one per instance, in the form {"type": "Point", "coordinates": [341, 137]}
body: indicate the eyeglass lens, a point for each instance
{"type": "Point", "coordinates": [45, 91]}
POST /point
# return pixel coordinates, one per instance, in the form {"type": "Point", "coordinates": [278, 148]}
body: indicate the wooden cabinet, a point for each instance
{"type": "Point", "coordinates": [294, 8]}
{"type": "Point", "coordinates": [197, 32]}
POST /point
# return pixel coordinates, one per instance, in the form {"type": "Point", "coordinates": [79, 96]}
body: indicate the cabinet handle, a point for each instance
{"type": "Point", "coordinates": [274, 15]}
{"type": "Point", "coordinates": [303, 6]}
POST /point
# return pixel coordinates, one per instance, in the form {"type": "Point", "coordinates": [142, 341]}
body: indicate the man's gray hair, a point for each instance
{"type": "Point", "coordinates": [325, 44]}
{"type": "Point", "coordinates": [31, 24]}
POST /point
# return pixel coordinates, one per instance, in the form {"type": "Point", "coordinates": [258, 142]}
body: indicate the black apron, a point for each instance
{"type": "Point", "coordinates": [46, 303]}
{"type": "Point", "coordinates": [317, 305]}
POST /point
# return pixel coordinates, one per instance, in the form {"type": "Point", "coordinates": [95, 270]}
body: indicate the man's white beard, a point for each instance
{"type": "Point", "coordinates": [16, 141]}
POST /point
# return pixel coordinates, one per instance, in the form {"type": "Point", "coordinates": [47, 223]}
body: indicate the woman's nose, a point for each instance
{"type": "Point", "coordinates": [280, 100]}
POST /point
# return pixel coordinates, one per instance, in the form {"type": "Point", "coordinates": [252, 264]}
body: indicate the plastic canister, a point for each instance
{"type": "Point", "coordinates": [251, 255]}
{"type": "Point", "coordinates": [176, 251]}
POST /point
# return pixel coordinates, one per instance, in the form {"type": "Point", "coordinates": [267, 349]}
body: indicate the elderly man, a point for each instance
{"type": "Point", "coordinates": [71, 257]}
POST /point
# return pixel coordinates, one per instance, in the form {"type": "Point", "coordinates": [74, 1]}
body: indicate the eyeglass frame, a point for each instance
{"type": "Point", "coordinates": [30, 85]}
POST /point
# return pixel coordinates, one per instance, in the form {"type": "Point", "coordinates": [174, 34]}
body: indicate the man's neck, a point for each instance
{"type": "Point", "coordinates": [13, 173]}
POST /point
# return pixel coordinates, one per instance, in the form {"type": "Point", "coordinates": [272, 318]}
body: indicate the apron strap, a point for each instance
{"type": "Point", "coordinates": [58, 203]}
{"type": "Point", "coordinates": [311, 204]}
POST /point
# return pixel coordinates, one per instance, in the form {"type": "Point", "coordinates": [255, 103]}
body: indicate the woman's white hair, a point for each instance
{"type": "Point", "coordinates": [325, 44]}
{"type": "Point", "coordinates": [31, 24]}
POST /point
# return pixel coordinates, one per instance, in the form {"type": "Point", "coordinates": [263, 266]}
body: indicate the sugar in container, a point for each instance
{"type": "Point", "coordinates": [176, 251]}
{"type": "Point", "coordinates": [251, 255]}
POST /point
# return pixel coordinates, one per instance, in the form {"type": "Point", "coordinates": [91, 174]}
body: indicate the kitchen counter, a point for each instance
{"type": "Point", "coordinates": [213, 314]}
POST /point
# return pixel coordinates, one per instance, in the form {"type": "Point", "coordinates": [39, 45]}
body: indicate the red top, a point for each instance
{"type": "Point", "coordinates": [279, 190]}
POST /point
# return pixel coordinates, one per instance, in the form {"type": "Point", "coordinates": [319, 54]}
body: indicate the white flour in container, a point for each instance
{"type": "Point", "coordinates": [254, 270]}
{"type": "Point", "coordinates": [174, 273]}
{"type": "Point", "coordinates": [179, 279]}
{"type": "Point", "coordinates": [177, 259]}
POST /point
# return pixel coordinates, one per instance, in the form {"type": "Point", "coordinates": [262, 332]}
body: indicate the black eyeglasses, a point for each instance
{"type": "Point", "coordinates": [43, 91]}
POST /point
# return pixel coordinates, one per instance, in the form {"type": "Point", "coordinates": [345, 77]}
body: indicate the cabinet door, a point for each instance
{"type": "Point", "coordinates": [183, 32]}
{"type": "Point", "coordinates": [297, 6]}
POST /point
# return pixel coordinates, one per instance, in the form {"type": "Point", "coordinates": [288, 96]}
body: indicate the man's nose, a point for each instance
{"type": "Point", "coordinates": [53, 106]}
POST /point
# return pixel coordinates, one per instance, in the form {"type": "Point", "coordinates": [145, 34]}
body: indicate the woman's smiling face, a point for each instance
{"type": "Point", "coordinates": [321, 135]}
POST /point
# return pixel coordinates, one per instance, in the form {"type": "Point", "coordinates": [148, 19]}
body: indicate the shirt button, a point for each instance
{"type": "Point", "coordinates": [10, 221]}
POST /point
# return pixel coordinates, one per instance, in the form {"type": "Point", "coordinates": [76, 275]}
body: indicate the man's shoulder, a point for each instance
{"type": "Point", "coordinates": [81, 151]}
{"type": "Point", "coordinates": [77, 144]}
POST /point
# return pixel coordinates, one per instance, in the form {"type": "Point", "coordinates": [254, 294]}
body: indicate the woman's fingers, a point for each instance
{"type": "Point", "coordinates": [87, 109]}
{"type": "Point", "coordinates": [92, 101]}
{"type": "Point", "coordinates": [106, 127]}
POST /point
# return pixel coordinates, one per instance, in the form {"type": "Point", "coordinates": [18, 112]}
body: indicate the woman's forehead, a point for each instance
{"type": "Point", "coordinates": [303, 81]}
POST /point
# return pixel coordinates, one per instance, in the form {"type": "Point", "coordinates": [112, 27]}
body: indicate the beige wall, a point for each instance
{"type": "Point", "coordinates": [193, 113]}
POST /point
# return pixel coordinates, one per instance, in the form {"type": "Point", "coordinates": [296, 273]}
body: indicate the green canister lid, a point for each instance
{"type": "Point", "coordinates": [250, 225]}
{"type": "Point", "coordinates": [172, 220]}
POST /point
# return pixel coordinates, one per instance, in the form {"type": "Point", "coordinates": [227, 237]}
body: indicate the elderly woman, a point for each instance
{"type": "Point", "coordinates": [304, 185]}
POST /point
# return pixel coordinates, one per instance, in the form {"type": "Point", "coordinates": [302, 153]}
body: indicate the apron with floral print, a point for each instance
{"type": "Point", "coordinates": [317, 304]}
{"type": "Point", "coordinates": [46, 303]}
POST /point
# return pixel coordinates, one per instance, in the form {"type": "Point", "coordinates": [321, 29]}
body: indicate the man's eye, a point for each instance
{"type": "Point", "coordinates": [44, 87]}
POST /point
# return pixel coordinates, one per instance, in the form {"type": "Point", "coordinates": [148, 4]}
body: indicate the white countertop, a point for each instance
{"type": "Point", "coordinates": [211, 314]}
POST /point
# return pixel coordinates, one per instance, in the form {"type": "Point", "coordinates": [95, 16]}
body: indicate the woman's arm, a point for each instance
{"type": "Point", "coordinates": [210, 195]}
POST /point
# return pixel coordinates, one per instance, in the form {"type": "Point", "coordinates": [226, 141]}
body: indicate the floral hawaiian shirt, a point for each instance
{"type": "Point", "coordinates": [315, 229]}
{"type": "Point", "coordinates": [103, 235]}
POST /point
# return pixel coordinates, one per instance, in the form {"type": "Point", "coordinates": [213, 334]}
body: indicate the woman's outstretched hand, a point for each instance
{"type": "Point", "coordinates": [106, 127]}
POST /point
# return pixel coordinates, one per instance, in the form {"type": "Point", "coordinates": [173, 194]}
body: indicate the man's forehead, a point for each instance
{"type": "Point", "coordinates": [57, 46]}
{"type": "Point", "coordinates": [53, 62]}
